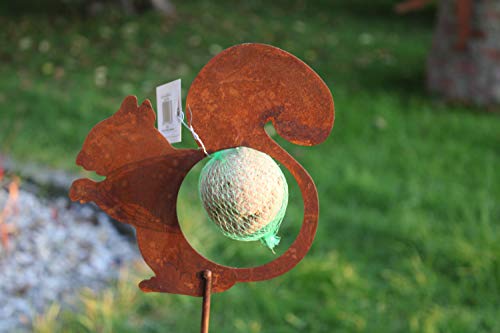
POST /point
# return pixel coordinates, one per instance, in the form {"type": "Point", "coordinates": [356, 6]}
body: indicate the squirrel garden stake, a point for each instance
{"type": "Point", "coordinates": [232, 98]}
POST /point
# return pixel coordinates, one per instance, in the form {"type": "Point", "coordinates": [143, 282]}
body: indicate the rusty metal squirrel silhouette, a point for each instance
{"type": "Point", "coordinates": [232, 98]}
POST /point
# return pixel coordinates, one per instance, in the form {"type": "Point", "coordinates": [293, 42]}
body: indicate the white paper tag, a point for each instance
{"type": "Point", "coordinates": [169, 109]}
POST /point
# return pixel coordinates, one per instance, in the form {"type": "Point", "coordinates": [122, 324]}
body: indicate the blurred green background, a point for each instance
{"type": "Point", "coordinates": [409, 187]}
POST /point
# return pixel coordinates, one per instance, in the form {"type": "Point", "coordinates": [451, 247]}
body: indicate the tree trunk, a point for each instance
{"type": "Point", "coordinates": [464, 62]}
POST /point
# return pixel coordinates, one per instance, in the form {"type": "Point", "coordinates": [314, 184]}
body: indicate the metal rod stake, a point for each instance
{"type": "Point", "coordinates": [205, 315]}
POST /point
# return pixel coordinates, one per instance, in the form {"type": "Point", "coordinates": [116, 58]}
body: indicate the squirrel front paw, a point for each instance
{"type": "Point", "coordinates": [83, 190]}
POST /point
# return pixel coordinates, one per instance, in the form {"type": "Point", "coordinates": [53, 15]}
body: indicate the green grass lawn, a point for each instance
{"type": "Point", "coordinates": [409, 187]}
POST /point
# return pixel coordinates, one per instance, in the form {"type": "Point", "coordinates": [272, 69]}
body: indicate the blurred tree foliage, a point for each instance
{"type": "Point", "coordinates": [75, 7]}
{"type": "Point", "coordinates": [86, 7]}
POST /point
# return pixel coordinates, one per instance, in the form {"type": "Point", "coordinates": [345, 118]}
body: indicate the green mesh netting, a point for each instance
{"type": "Point", "coordinates": [245, 194]}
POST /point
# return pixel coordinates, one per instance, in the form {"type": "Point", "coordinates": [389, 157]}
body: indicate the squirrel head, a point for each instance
{"type": "Point", "coordinates": [127, 136]}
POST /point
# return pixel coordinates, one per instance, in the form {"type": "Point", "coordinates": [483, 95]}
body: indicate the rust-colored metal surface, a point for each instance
{"type": "Point", "coordinates": [231, 99]}
{"type": "Point", "coordinates": [207, 293]}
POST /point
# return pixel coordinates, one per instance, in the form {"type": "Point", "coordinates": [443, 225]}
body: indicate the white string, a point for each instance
{"type": "Point", "coordinates": [191, 129]}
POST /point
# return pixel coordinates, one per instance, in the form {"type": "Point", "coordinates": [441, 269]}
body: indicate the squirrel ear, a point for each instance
{"type": "Point", "coordinates": [146, 104]}
{"type": "Point", "coordinates": [129, 104]}
{"type": "Point", "coordinates": [144, 112]}
{"type": "Point", "coordinates": [147, 113]}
